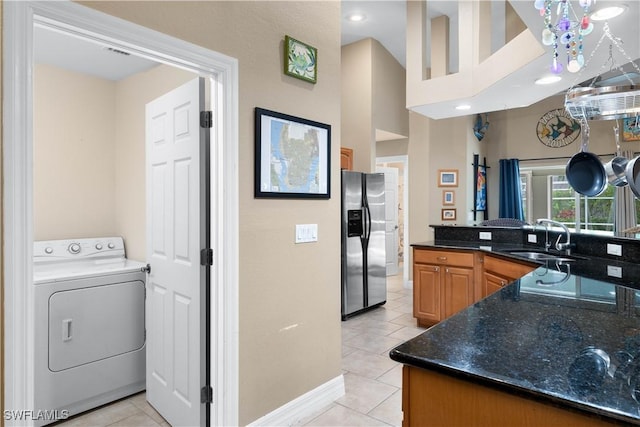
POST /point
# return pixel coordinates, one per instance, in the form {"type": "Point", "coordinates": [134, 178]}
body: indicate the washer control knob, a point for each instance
{"type": "Point", "coordinates": [99, 246]}
{"type": "Point", "coordinates": [111, 245]}
{"type": "Point", "coordinates": [48, 250]}
{"type": "Point", "coordinates": [74, 248]}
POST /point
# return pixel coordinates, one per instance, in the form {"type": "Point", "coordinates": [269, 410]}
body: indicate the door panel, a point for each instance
{"type": "Point", "coordinates": [376, 260]}
{"type": "Point", "coordinates": [391, 218]}
{"type": "Point", "coordinates": [176, 204]}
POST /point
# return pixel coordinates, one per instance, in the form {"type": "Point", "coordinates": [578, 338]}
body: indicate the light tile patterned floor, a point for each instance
{"type": "Point", "coordinates": [372, 380]}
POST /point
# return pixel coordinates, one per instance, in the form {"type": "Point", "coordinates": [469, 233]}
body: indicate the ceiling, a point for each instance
{"type": "Point", "coordinates": [386, 22]}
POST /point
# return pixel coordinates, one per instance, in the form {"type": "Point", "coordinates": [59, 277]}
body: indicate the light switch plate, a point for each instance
{"type": "Point", "coordinates": [485, 235]}
{"type": "Point", "coordinates": [306, 233]}
{"type": "Point", "coordinates": [614, 249]}
{"type": "Point", "coordinates": [532, 238]}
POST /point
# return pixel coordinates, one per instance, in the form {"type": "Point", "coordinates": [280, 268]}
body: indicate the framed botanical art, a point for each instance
{"type": "Point", "coordinates": [448, 197]}
{"type": "Point", "coordinates": [448, 214]}
{"type": "Point", "coordinates": [447, 177]}
{"type": "Point", "coordinates": [292, 156]}
{"type": "Point", "coordinates": [300, 60]}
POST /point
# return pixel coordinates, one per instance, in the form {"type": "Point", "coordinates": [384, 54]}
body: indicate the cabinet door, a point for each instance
{"type": "Point", "coordinates": [458, 289]}
{"type": "Point", "coordinates": [426, 292]}
{"type": "Point", "coordinates": [346, 158]}
{"type": "Point", "coordinates": [492, 283]}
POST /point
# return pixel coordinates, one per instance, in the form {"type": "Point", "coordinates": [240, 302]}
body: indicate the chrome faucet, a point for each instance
{"type": "Point", "coordinates": [566, 246]}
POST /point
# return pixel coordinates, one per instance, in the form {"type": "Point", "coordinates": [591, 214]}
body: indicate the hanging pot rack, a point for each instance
{"type": "Point", "coordinates": [606, 102]}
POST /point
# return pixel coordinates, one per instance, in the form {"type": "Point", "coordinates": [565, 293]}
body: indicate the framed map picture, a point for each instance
{"type": "Point", "coordinates": [292, 156]}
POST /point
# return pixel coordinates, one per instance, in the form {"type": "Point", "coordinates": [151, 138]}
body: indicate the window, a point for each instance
{"type": "Point", "coordinates": [527, 197]}
{"type": "Point", "coordinates": [580, 212]}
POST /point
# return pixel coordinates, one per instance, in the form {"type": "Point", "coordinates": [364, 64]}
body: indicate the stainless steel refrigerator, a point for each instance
{"type": "Point", "coordinates": [364, 275]}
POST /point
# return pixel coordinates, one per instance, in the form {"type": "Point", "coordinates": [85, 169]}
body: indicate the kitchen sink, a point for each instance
{"type": "Point", "coordinates": [544, 256]}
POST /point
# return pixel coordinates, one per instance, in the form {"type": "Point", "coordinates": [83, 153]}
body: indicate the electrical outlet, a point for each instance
{"type": "Point", "coordinates": [532, 238]}
{"type": "Point", "coordinates": [306, 233]}
{"type": "Point", "coordinates": [614, 249]}
{"type": "Point", "coordinates": [485, 235]}
{"type": "Point", "coordinates": [614, 271]}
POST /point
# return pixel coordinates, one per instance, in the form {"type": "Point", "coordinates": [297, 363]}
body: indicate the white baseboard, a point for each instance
{"type": "Point", "coordinates": [297, 409]}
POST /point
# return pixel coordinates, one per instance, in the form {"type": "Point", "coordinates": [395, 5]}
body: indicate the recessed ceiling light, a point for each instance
{"type": "Point", "coordinates": [356, 17]}
{"type": "Point", "coordinates": [463, 107]}
{"type": "Point", "coordinates": [608, 13]}
{"type": "Point", "coordinates": [548, 80]}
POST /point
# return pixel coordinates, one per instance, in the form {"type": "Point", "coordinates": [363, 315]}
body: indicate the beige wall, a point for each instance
{"type": "Point", "coordinates": [421, 179]}
{"type": "Point", "coordinates": [388, 88]}
{"type": "Point", "coordinates": [289, 294]}
{"type": "Point", "coordinates": [357, 128]}
{"type": "Point", "coordinates": [89, 156]}
{"type": "Point", "coordinates": [373, 97]}
{"type": "Point", "coordinates": [74, 133]}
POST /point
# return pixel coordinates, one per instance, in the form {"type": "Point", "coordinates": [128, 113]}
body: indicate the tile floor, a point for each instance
{"type": "Point", "coordinates": [372, 380]}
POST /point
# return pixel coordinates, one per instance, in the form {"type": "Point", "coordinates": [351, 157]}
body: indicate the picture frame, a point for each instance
{"type": "Point", "coordinates": [481, 188]}
{"type": "Point", "coordinates": [300, 60]}
{"type": "Point", "coordinates": [631, 129]}
{"type": "Point", "coordinates": [447, 177]}
{"type": "Point", "coordinates": [292, 157]}
{"type": "Point", "coordinates": [448, 214]}
{"type": "Point", "coordinates": [448, 197]}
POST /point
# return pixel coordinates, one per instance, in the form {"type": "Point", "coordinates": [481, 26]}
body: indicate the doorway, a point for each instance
{"type": "Point", "coordinates": [401, 164]}
{"type": "Point", "coordinates": [19, 19]}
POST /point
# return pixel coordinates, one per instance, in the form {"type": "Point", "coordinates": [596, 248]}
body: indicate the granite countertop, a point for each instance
{"type": "Point", "coordinates": [536, 336]}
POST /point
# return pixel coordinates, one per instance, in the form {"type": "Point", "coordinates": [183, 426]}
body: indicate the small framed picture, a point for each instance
{"type": "Point", "coordinates": [447, 177]}
{"type": "Point", "coordinates": [448, 214]}
{"type": "Point", "coordinates": [631, 129]}
{"type": "Point", "coordinates": [448, 197]}
{"type": "Point", "coordinates": [300, 60]}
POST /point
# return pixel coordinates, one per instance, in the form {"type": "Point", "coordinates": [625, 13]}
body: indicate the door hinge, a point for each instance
{"type": "Point", "coordinates": [206, 394]}
{"type": "Point", "coordinates": [206, 257]}
{"type": "Point", "coordinates": [206, 119]}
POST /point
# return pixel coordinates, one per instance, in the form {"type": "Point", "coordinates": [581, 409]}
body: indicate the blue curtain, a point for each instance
{"type": "Point", "coordinates": [510, 195]}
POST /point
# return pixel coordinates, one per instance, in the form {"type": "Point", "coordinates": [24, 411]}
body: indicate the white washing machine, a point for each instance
{"type": "Point", "coordinates": [89, 324]}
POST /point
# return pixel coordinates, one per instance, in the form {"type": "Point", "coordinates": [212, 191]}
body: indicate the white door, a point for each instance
{"type": "Point", "coordinates": [391, 218]}
{"type": "Point", "coordinates": [176, 233]}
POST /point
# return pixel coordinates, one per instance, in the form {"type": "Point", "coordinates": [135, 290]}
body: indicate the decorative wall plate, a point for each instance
{"type": "Point", "coordinates": [557, 128]}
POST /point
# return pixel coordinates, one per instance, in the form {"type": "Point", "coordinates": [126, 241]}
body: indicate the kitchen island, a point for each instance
{"type": "Point", "coordinates": [533, 353]}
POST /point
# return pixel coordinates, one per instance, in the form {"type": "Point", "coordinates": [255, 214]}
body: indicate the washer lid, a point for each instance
{"type": "Point", "coordinates": [56, 272]}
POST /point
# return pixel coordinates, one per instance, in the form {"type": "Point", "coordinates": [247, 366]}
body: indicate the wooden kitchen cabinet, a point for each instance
{"type": "Point", "coordinates": [499, 272]}
{"type": "Point", "coordinates": [346, 158]}
{"type": "Point", "coordinates": [431, 398]}
{"type": "Point", "coordinates": [443, 284]}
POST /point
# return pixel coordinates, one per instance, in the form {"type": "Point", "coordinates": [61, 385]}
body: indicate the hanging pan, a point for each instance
{"type": "Point", "coordinates": [632, 173]}
{"type": "Point", "coordinates": [615, 168]}
{"type": "Point", "coordinates": [585, 172]}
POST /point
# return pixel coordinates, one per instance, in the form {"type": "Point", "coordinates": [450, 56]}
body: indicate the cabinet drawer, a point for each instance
{"type": "Point", "coordinates": [509, 269]}
{"type": "Point", "coordinates": [460, 259]}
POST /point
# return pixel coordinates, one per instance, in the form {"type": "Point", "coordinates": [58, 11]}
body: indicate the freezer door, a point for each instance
{"type": "Point", "coordinates": [352, 254]}
{"type": "Point", "coordinates": [376, 259]}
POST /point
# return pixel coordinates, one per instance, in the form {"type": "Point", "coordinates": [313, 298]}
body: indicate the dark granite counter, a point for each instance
{"type": "Point", "coordinates": [544, 335]}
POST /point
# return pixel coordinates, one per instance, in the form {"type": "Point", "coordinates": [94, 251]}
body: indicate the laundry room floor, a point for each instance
{"type": "Point", "coordinates": [373, 381]}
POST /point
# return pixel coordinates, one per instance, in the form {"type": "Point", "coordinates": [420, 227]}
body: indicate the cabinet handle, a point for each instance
{"type": "Point", "coordinates": [436, 268]}
{"type": "Point", "coordinates": [446, 270]}
{"type": "Point", "coordinates": [502, 283]}
{"type": "Point", "coordinates": [442, 258]}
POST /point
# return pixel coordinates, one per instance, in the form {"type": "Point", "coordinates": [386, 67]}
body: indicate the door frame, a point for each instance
{"type": "Point", "coordinates": [404, 159]}
{"type": "Point", "coordinates": [19, 19]}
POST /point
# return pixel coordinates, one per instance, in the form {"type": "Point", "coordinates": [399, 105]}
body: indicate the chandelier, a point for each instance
{"type": "Point", "coordinates": [565, 30]}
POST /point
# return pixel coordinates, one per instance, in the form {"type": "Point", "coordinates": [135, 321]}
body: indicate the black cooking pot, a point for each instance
{"type": "Point", "coordinates": [585, 171]}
